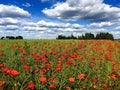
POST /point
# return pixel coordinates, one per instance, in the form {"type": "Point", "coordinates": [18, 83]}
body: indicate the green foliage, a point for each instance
{"type": "Point", "coordinates": [105, 36]}
{"type": "Point", "coordinates": [66, 37]}
{"type": "Point", "coordinates": [12, 37]}
{"type": "Point", "coordinates": [89, 36]}
{"type": "Point", "coordinates": [19, 37]}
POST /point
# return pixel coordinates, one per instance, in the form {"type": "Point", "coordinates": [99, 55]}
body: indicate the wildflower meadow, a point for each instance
{"type": "Point", "coordinates": [59, 65]}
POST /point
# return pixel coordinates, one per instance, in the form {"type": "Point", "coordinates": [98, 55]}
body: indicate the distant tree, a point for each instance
{"type": "Point", "coordinates": [66, 37]}
{"type": "Point", "coordinates": [103, 35]}
{"type": "Point", "coordinates": [97, 36]}
{"type": "Point", "coordinates": [73, 37]}
{"type": "Point", "coordinates": [80, 37]}
{"type": "Point", "coordinates": [2, 37]}
{"type": "Point", "coordinates": [10, 37]}
{"type": "Point", "coordinates": [61, 37]}
{"type": "Point", "coordinates": [19, 37]}
{"type": "Point", "coordinates": [109, 36]}
{"type": "Point", "coordinates": [83, 37]}
{"type": "Point", "coordinates": [89, 36]}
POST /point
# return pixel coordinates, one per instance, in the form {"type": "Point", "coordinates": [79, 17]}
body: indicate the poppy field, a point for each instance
{"type": "Point", "coordinates": [59, 65]}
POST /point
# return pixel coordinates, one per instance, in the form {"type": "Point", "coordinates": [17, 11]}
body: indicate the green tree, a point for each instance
{"type": "Point", "coordinates": [19, 37]}
{"type": "Point", "coordinates": [89, 36]}
{"type": "Point", "coordinates": [104, 35]}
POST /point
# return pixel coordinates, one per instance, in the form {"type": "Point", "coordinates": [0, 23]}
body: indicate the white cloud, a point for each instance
{"type": "Point", "coordinates": [44, 25]}
{"type": "Point", "coordinates": [77, 26]}
{"type": "Point", "coordinates": [10, 21]}
{"type": "Point", "coordinates": [116, 34]}
{"type": "Point", "coordinates": [13, 11]}
{"type": "Point", "coordinates": [45, 29]}
{"type": "Point", "coordinates": [101, 24]}
{"type": "Point", "coordinates": [9, 27]}
{"type": "Point", "coordinates": [34, 28]}
{"type": "Point", "coordinates": [117, 28]}
{"type": "Point", "coordinates": [28, 23]}
{"type": "Point", "coordinates": [92, 10]}
{"type": "Point", "coordinates": [26, 4]}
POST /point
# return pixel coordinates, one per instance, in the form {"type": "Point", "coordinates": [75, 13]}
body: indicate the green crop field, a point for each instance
{"type": "Point", "coordinates": [59, 65]}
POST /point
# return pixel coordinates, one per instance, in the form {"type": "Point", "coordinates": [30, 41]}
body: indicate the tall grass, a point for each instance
{"type": "Point", "coordinates": [59, 65]}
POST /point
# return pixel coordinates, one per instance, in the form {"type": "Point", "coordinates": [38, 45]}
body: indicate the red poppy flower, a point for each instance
{"type": "Point", "coordinates": [22, 59]}
{"type": "Point", "coordinates": [95, 87]}
{"type": "Point", "coordinates": [88, 77]}
{"type": "Point", "coordinates": [68, 88]}
{"type": "Point", "coordinates": [31, 85]}
{"type": "Point", "coordinates": [52, 86]}
{"type": "Point", "coordinates": [83, 86]}
{"type": "Point", "coordinates": [36, 71]}
{"type": "Point", "coordinates": [43, 79]}
{"type": "Point", "coordinates": [58, 68]}
{"type": "Point", "coordinates": [113, 76]}
{"type": "Point", "coordinates": [7, 71]}
{"type": "Point", "coordinates": [71, 80]}
{"type": "Point", "coordinates": [2, 83]}
{"type": "Point", "coordinates": [14, 73]}
{"type": "Point", "coordinates": [95, 80]}
{"type": "Point", "coordinates": [81, 76]}
{"type": "Point", "coordinates": [44, 70]}
{"type": "Point", "coordinates": [52, 79]}
{"type": "Point", "coordinates": [92, 64]}
{"type": "Point", "coordinates": [26, 67]}
{"type": "Point", "coordinates": [69, 62]}
{"type": "Point", "coordinates": [114, 69]}
{"type": "Point", "coordinates": [108, 57]}
{"type": "Point", "coordinates": [1, 65]}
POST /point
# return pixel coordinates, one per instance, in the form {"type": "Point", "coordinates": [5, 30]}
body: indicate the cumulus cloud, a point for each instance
{"type": "Point", "coordinates": [45, 29]}
{"type": "Point", "coordinates": [101, 24]}
{"type": "Point", "coordinates": [26, 4]}
{"type": "Point", "coordinates": [44, 25]}
{"type": "Point", "coordinates": [13, 11]}
{"type": "Point", "coordinates": [117, 28]}
{"type": "Point", "coordinates": [34, 28]}
{"type": "Point", "coordinates": [8, 21]}
{"type": "Point", "coordinates": [116, 34]}
{"type": "Point", "coordinates": [12, 27]}
{"type": "Point", "coordinates": [92, 10]}
{"type": "Point", "coordinates": [9, 27]}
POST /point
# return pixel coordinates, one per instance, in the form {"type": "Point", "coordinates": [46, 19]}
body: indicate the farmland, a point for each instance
{"type": "Point", "coordinates": [59, 65]}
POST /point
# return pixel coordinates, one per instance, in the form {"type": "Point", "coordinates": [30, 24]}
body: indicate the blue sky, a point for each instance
{"type": "Point", "coordinates": [46, 19]}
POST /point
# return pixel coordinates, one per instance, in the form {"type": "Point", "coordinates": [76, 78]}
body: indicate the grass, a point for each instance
{"type": "Point", "coordinates": [58, 61]}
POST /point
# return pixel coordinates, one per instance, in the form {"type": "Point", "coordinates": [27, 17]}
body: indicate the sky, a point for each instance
{"type": "Point", "coordinates": [46, 19]}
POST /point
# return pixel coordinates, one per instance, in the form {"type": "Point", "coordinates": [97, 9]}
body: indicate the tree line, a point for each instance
{"type": "Point", "coordinates": [12, 37]}
{"type": "Point", "coordinates": [88, 36]}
